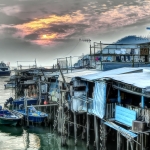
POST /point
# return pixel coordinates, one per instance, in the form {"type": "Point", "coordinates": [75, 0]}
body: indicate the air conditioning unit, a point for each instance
{"type": "Point", "coordinates": [139, 126]}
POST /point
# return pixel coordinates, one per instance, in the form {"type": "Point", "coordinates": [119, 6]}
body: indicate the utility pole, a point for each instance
{"type": "Point", "coordinates": [61, 114]}
{"type": "Point", "coordinates": [94, 55]}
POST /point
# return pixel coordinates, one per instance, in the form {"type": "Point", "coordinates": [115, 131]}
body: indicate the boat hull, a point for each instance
{"type": "Point", "coordinates": [9, 86]}
{"type": "Point", "coordinates": [36, 119]}
{"type": "Point", "coordinates": [29, 102]}
{"type": "Point", "coordinates": [4, 73]}
{"type": "Point", "coordinates": [12, 122]}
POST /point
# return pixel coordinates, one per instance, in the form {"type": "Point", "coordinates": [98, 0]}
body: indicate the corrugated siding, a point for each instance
{"type": "Point", "coordinates": [124, 115]}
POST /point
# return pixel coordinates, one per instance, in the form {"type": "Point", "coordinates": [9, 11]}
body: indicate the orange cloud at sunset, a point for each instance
{"type": "Point", "coordinates": [89, 20]}
{"type": "Point", "coordinates": [46, 36]}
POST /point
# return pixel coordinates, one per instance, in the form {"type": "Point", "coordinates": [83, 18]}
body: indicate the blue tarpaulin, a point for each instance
{"type": "Point", "coordinates": [99, 100]}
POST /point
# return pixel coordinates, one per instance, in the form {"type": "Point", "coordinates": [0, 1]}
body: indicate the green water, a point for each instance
{"type": "Point", "coordinates": [32, 138]}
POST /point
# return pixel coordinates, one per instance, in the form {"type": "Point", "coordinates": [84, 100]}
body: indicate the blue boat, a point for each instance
{"type": "Point", "coordinates": [34, 115]}
{"type": "Point", "coordinates": [8, 118]}
{"type": "Point", "coordinates": [4, 69]}
{"type": "Point", "coordinates": [30, 101]}
{"type": "Point", "coordinates": [10, 85]}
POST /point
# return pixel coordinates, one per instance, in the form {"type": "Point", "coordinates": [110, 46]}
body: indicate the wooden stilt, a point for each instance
{"type": "Point", "coordinates": [96, 133]}
{"type": "Point", "coordinates": [68, 125]}
{"type": "Point", "coordinates": [118, 140]}
{"type": "Point", "coordinates": [127, 144]}
{"type": "Point", "coordinates": [132, 145]}
{"type": "Point", "coordinates": [88, 126]}
{"type": "Point", "coordinates": [75, 128]}
{"type": "Point", "coordinates": [137, 145]}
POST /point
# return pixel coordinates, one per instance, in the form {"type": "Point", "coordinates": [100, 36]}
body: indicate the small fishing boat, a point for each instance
{"type": "Point", "coordinates": [34, 115]}
{"type": "Point", "coordinates": [10, 85]}
{"type": "Point", "coordinates": [4, 69]}
{"type": "Point", "coordinates": [8, 118]}
{"type": "Point", "coordinates": [30, 101]}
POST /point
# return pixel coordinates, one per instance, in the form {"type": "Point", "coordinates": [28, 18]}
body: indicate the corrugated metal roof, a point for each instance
{"type": "Point", "coordinates": [141, 80]}
{"type": "Point", "coordinates": [78, 73]}
{"type": "Point", "coordinates": [104, 74]}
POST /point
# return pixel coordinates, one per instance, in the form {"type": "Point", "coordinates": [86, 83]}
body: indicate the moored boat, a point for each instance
{"type": "Point", "coordinates": [30, 101]}
{"type": "Point", "coordinates": [10, 85]}
{"type": "Point", "coordinates": [33, 115]}
{"type": "Point", "coordinates": [8, 118]}
{"type": "Point", "coordinates": [4, 69]}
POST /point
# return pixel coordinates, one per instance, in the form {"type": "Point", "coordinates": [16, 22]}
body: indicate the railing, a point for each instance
{"type": "Point", "coordinates": [143, 113]}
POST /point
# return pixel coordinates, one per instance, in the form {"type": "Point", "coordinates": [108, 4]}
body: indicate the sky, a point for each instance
{"type": "Point", "coordinates": [48, 29]}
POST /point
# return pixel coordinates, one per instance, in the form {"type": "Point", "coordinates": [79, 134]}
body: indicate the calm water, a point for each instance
{"type": "Point", "coordinates": [33, 138]}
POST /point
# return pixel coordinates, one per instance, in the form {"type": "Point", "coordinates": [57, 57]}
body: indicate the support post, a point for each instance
{"type": "Point", "coordinates": [101, 55]}
{"type": "Point", "coordinates": [118, 140]}
{"type": "Point", "coordinates": [39, 92]}
{"type": "Point", "coordinates": [119, 97]}
{"type": "Point", "coordinates": [127, 144]}
{"type": "Point", "coordinates": [68, 125]}
{"type": "Point", "coordinates": [90, 56]}
{"type": "Point", "coordinates": [94, 55]}
{"type": "Point", "coordinates": [132, 145]}
{"type": "Point", "coordinates": [142, 102]}
{"type": "Point", "coordinates": [67, 64]}
{"type": "Point", "coordinates": [75, 128]}
{"type": "Point", "coordinates": [71, 62]}
{"type": "Point", "coordinates": [88, 126]}
{"type": "Point", "coordinates": [137, 145]}
{"type": "Point", "coordinates": [96, 133]}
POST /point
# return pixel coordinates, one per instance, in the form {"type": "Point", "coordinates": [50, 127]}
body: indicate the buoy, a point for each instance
{"type": "Point", "coordinates": [45, 102]}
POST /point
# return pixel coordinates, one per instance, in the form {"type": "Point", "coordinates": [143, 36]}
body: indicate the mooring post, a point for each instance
{"type": "Point", "coordinates": [88, 126]}
{"type": "Point", "coordinates": [96, 133]}
{"type": "Point", "coordinates": [39, 91]}
{"type": "Point", "coordinates": [27, 117]}
{"type": "Point", "coordinates": [68, 124]}
{"type": "Point", "coordinates": [118, 140]}
{"type": "Point", "coordinates": [142, 147]}
{"type": "Point", "coordinates": [127, 144]}
{"type": "Point", "coordinates": [137, 145]}
{"type": "Point", "coordinates": [75, 128]}
{"type": "Point", "coordinates": [132, 144]}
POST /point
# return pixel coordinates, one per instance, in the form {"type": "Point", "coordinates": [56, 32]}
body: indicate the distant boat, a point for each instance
{"type": "Point", "coordinates": [8, 118]}
{"type": "Point", "coordinates": [34, 115]}
{"type": "Point", "coordinates": [4, 69]}
{"type": "Point", "coordinates": [10, 85]}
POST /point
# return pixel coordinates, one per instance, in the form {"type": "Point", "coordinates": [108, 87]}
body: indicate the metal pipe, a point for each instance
{"type": "Point", "coordinates": [142, 102]}
{"type": "Point", "coordinates": [119, 98]}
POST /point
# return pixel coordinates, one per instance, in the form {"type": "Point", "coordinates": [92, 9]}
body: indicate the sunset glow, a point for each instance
{"type": "Point", "coordinates": [46, 25]}
{"type": "Point", "coordinates": [42, 26]}
{"type": "Point", "coordinates": [52, 36]}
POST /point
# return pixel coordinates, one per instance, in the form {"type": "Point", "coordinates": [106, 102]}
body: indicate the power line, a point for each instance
{"type": "Point", "coordinates": [73, 48]}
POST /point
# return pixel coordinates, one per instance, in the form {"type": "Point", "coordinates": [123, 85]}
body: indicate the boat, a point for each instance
{"type": "Point", "coordinates": [4, 69]}
{"type": "Point", "coordinates": [8, 118]}
{"type": "Point", "coordinates": [10, 85]}
{"type": "Point", "coordinates": [30, 101]}
{"type": "Point", "coordinates": [34, 115]}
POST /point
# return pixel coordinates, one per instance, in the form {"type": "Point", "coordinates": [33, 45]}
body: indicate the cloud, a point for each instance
{"type": "Point", "coordinates": [49, 21]}
{"type": "Point", "coordinates": [11, 10]}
